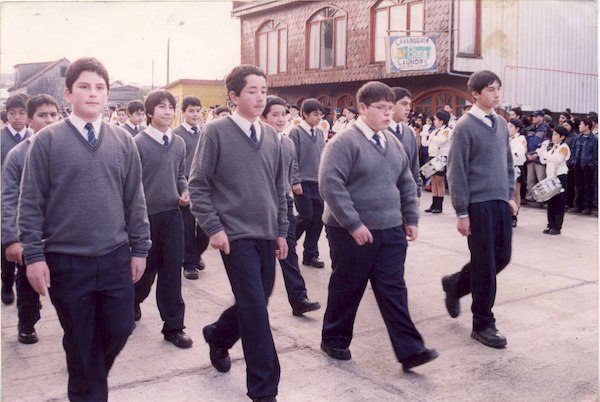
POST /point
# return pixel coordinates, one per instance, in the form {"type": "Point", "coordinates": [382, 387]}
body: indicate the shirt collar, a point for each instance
{"type": "Point", "coordinates": [393, 126]}
{"type": "Point", "coordinates": [157, 135]}
{"type": "Point", "coordinates": [79, 124]}
{"type": "Point", "coordinates": [480, 114]}
{"type": "Point", "coordinates": [188, 127]}
{"type": "Point", "coordinates": [368, 131]}
{"type": "Point", "coordinates": [130, 124]}
{"type": "Point", "coordinates": [245, 124]}
{"type": "Point", "coordinates": [14, 132]}
{"type": "Point", "coordinates": [305, 126]}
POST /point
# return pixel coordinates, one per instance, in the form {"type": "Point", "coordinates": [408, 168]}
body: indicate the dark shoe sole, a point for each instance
{"type": "Point", "coordinates": [499, 344]}
{"type": "Point", "coordinates": [452, 303]}
{"type": "Point", "coordinates": [177, 341]}
{"type": "Point", "coordinates": [419, 359]}
{"type": "Point", "coordinates": [28, 339]}
{"type": "Point", "coordinates": [306, 308]}
{"type": "Point", "coordinates": [8, 297]}
{"type": "Point", "coordinates": [311, 264]}
{"type": "Point", "coordinates": [191, 275]}
{"type": "Point", "coordinates": [338, 354]}
{"type": "Point", "coordinates": [223, 364]}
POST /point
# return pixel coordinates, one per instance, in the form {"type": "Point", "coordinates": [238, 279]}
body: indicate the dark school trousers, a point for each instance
{"type": "Point", "coordinates": [584, 187]}
{"type": "Point", "coordinates": [93, 298]}
{"type": "Point", "coordinates": [8, 270]}
{"type": "Point", "coordinates": [557, 206]}
{"type": "Point", "coordinates": [195, 239]}
{"type": "Point", "coordinates": [490, 246]}
{"type": "Point", "coordinates": [381, 262]}
{"type": "Point", "coordinates": [28, 301]}
{"type": "Point", "coordinates": [294, 282]}
{"type": "Point", "coordinates": [250, 268]}
{"type": "Point", "coordinates": [310, 211]}
{"type": "Point", "coordinates": [164, 260]}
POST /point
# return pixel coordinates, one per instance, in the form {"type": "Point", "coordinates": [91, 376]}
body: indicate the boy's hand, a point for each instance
{"type": "Point", "coordinates": [38, 276]}
{"type": "Point", "coordinates": [138, 266]}
{"type": "Point", "coordinates": [464, 226]}
{"type": "Point", "coordinates": [220, 241]}
{"type": "Point", "coordinates": [412, 232]}
{"type": "Point", "coordinates": [184, 199]}
{"type": "Point", "coordinates": [282, 248]}
{"type": "Point", "coordinates": [297, 189]}
{"type": "Point", "coordinates": [513, 206]}
{"type": "Point", "coordinates": [362, 235]}
{"type": "Point", "coordinates": [14, 253]}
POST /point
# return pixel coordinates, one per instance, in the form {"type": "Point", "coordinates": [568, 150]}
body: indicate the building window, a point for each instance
{"type": "Point", "coordinates": [469, 28]}
{"type": "Point", "coordinates": [394, 17]}
{"type": "Point", "coordinates": [325, 101]}
{"type": "Point", "coordinates": [431, 102]}
{"type": "Point", "coordinates": [63, 71]}
{"type": "Point", "coordinates": [345, 101]}
{"type": "Point", "coordinates": [271, 40]}
{"type": "Point", "coordinates": [326, 38]}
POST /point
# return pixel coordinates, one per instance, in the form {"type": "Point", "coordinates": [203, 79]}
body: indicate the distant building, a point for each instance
{"type": "Point", "coordinates": [210, 92]}
{"type": "Point", "coordinates": [328, 49]}
{"type": "Point", "coordinates": [120, 94]}
{"type": "Point", "coordinates": [38, 78]}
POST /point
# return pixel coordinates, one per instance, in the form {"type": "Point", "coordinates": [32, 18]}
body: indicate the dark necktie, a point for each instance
{"type": "Point", "coordinates": [90, 134]}
{"type": "Point", "coordinates": [253, 136]}
{"type": "Point", "coordinates": [492, 119]}
{"type": "Point", "coordinates": [136, 129]}
{"type": "Point", "coordinates": [194, 130]}
{"type": "Point", "coordinates": [165, 140]}
{"type": "Point", "coordinates": [18, 137]}
{"type": "Point", "coordinates": [377, 140]}
{"type": "Point", "coordinates": [398, 131]}
{"type": "Point", "coordinates": [312, 132]}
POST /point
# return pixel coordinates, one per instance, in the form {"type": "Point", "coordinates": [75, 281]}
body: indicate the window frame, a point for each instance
{"type": "Point", "coordinates": [265, 29]}
{"type": "Point", "coordinates": [317, 19]}
{"type": "Point", "coordinates": [476, 54]}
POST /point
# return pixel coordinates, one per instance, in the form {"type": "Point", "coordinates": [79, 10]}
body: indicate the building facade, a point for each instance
{"type": "Point", "coordinates": [328, 49]}
{"type": "Point", "coordinates": [41, 78]}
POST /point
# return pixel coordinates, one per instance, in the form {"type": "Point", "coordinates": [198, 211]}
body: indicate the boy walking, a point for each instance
{"type": "Point", "coordinates": [238, 197]}
{"type": "Point", "coordinates": [84, 228]}
{"type": "Point", "coordinates": [42, 110]}
{"type": "Point", "coordinates": [135, 117]}
{"type": "Point", "coordinates": [162, 154]}
{"type": "Point", "coordinates": [365, 214]}
{"type": "Point", "coordinates": [195, 239]}
{"type": "Point", "coordinates": [484, 207]}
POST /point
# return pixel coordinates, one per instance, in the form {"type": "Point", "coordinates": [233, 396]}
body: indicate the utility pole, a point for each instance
{"type": "Point", "coordinates": [168, 58]}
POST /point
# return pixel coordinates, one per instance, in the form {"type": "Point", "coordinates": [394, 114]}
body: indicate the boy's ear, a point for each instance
{"type": "Point", "coordinates": [233, 97]}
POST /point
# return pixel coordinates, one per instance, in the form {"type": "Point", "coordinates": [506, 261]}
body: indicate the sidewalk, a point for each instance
{"type": "Point", "coordinates": [547, 306]}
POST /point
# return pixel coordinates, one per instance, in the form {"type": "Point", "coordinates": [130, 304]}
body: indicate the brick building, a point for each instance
{"type": "Point", "coordinates": [328, 49]}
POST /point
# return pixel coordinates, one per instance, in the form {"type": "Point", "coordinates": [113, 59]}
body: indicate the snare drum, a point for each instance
{"type": "Point", "coordinates": [547, 189]}
{"type": "Point", "coordinates": [435, 165]}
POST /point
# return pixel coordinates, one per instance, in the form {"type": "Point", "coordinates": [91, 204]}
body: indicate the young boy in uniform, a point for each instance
{"type": "Point", "coordinates": [135, 117]}
{"type": "Point", "coordinates": [163, 170]}
{"type": "Point", "coordinates": [84, 228]}
{"type": "Point", "coordinates": [196, 241]}
{"type": "Point", "coordinates": [368, 216]}
{"type": "Point", "coordinates": [15, 132]}
{"type": "Point", "coordinates": [238, 197]}
{"type": "Point", "coordinates": [42, 110]}
{"type": "Point", "coordinates": [480, 151]}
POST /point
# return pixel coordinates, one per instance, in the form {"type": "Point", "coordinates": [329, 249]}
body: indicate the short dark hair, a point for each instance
{"type": "Point", "coordinates": [310, 105]}
{"type": "Point", "coordinates": [588, 122]}
{"type": "Point", "coordinates": [443, 116]}
{"type": "Point", "coordinates": [517, 111]}
{"type": "Point", "coordinates": [236, 79]}
{"type": "Point", "coordinates": [134, 106]}
{"type": "Point", "coordinates": [374, 91]}
{"type": "Point", "coordinates": [271, 101]}
{"type": "Point", "coordinates": [85, 64]}
{"type": "Point", "coordinates": [190, 101]}
{"type": "Point", "coordinates": [560, 130]}
{"type": "Point", "coordinates": [39, 100]}
{"type": "Point", "coordinates": [517, 123]}
{"type": "Point", "coordinates": [156, 97]}
{"type": "Point", "coordinates": [400, 93]}
{"type": "Point", "coordinates": [16, 101]}
{"type": "Point", "coordinates": [220, 110]}
{"type": "Point", "coordinates": [122, 109]}
{"type": "Point", "coordinates": [481, 79]}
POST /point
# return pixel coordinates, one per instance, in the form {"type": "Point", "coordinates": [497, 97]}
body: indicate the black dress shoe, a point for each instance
{"type": "Point", "coordinates": [304, 307]}
{"type": "Point", "coordinates": [452, 302]}
{"type": "Point", "coordinates": [417, 359]}
{"type": "Point", "coordinates": [436, 211]}
{"type": "Point", "coordinates": [335, 353]}
{"type": "Point", "coordinates": [28, 336]}
{"type": "Point", "coordinates": [137, 312]}
{"type": "Point", "coordinates": [191, 274]}
{"type": "Point", "coordinates": [547, 230]}
{"type": "Point", "coordinates": [179, 339]}
{"type": "Point", "coordinates": [554, 232]}
{"type": "Point", "coordinates": [219, 357]}
{"type": "Point", "coordinates": [490, 337]}
{"type": "Point", "coordinates": [7, 295]}
{"type": "Point", "coordinates": [265, 399]}
{"type": "Point", "coordinates": [314, 262]}
{"type": "Point", "coordinates": [201, 264]}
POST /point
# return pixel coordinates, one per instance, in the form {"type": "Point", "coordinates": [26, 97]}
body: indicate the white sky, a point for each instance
{"type": "Point", "coordinates": [124, 35]}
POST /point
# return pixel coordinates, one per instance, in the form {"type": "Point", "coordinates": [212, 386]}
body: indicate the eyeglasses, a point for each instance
{"type": "Point", "coordinates": [384, 109]}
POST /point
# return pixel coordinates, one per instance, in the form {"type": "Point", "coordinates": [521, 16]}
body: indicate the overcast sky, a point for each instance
{"type": "Point", "coordinates": [125, 35]}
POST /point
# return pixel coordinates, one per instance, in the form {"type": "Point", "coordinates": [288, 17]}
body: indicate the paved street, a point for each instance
{"type": "Point", "coordinates": [547, 306]}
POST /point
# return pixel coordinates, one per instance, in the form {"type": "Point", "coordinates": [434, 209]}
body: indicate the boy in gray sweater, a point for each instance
{"type": "Point", "coordinates": [484, 207]}
{"type": "Point", "coordinates": [369, 192]}
{"type": "Point", "coordinates": [163, 170]}
{"type": "Point", "coordinates": [83, 226]}
{"type": "Point", "coordinates": [238, 197]}
{"type": "Point", "coordinates": [42, 110]}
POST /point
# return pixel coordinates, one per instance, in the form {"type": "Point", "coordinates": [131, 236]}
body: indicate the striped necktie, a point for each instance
{"type": "Point", "coordinates": [377, 140]}
{"type": "Point", "coordinates": [91, 134]}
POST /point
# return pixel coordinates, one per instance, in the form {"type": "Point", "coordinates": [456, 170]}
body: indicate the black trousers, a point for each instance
{"type": "Point", "coordinates": [28, 301]}
{"type": "Point", "coordinates": [250, 268]}
{"type": "Point", "coordinates": [8, 270]}
{"type": "Point", "coordinates": [93, 297]}
{"type": "Point", "coordinates": [584, 186]}
{"type": "Point", "coordinates": [164, 260]}
{"type": "Point", "coordinates": [557, 206]}
{"type": "Point", "coordinates": [310, 218]}
{"type": "Point", "coordinates": [195, 239]}
{"type": "Point", "coordinates": [382, 263]}
{"type": "Point", "coordinates": [490, 246]}
{"type": "Point", "coordinates": [294, 282]}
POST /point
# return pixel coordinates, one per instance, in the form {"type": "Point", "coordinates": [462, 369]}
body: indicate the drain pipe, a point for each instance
{"type": "Point", "coordinates": [450, 43]}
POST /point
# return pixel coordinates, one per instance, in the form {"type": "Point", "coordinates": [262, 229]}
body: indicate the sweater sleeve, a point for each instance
{"type": "Point", "coordinates": [414, 160]}
{"type": "Point", "coordinates": [458, 167]}
{"type": "Point", "coordinates": [334, 169]}
{"type": "Point", "coordinates": [11, 180]}
{"type": "Point", "coordinates": [182, 184]}
{"type": "Point", "coordinates": [282, 221]}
